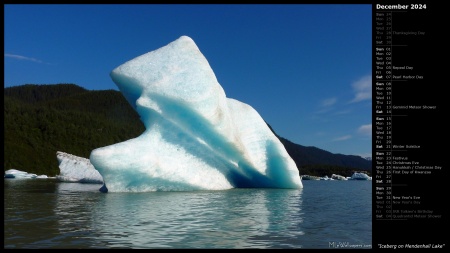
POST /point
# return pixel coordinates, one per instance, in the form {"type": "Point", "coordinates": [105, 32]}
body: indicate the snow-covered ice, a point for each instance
{"type": "Point", "coordinates": [76, 169]}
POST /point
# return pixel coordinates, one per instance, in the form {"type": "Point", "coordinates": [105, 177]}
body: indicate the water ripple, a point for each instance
{"type": "Point", "coordinates": [71, 215]}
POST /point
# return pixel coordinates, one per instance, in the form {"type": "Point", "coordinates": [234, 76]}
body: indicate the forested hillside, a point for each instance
{"type": "Point", "coordinates": [42, 119]}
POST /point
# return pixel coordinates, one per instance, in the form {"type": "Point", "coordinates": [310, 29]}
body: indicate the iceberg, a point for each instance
{"type": "Point", "coordinates": [360, 176]}
{"type": "Point", "coordinates": [338, 177]}
{"type": "Point", "coordinates": [76, 169]}
{"type": "Point", "coordinates": [13, 173]}
{"type": "Point", "coordinates": [196, 138]}
{"type": "Point", "coordinates": [309, 177]}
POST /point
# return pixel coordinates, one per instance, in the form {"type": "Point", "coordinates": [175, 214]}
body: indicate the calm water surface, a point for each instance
{"type": "Point", "coordinates": [45, 213]}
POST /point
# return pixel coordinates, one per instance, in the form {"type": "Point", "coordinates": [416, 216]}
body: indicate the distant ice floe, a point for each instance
{"type": "Point", "coordinates": [13, 173]}
{"type": "Point", "coordinates": [360, 176]}
{"type": "Point", "coordinates": [338, 177]}
{"type": "Point", "coordinates": [72, 169]}
{"type": "Point", "coordinates": [355, 176]}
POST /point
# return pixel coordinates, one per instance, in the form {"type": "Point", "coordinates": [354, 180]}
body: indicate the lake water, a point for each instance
{"type": "Point", "coordinates": [45, 213]}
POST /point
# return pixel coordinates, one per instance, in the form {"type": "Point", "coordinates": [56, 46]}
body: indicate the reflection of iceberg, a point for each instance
{"type": "Point", "coordinates": [196, 138]}
{"type": "Point", "coordinates": [73, 213]}
{"type": "Point", "coordinates": [75, 187]}
{"type": "Point", "coordinates": [77, 169]}
{"type": "Point", "coordinates": [241, 218]}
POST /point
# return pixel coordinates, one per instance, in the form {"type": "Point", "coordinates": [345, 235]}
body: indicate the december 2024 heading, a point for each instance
{"type": "Point", "coordinates": [401, 6]}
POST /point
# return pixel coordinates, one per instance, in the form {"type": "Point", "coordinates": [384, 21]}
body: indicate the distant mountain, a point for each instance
{"type": "Point", "coordinates": [43, 119]}
{"type": "Point", "coordinates": [318, 162]}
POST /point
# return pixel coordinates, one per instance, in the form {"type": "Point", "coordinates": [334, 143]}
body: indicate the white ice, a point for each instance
{"type": "Point", "coordinates": [196, 138]}
{"type": "Point", "coordinates": [13, 173]}
{"type": "Point", "coordinates": [360, 176]}
{"type": "Point", "coordinates": [338, 177]}
{"type": "Point", "coordinates": [76, 169]}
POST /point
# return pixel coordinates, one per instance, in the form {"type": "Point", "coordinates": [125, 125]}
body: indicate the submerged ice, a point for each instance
{"type": "Point", "coordinates": [196, 138]}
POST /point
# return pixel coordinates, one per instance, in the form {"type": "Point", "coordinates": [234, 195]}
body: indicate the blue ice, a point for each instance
{"type": "Point", "coordinates": [196, 138]}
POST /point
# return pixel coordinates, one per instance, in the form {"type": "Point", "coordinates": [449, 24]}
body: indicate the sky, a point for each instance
{"type": "Point", "coordinates": [306, 69]}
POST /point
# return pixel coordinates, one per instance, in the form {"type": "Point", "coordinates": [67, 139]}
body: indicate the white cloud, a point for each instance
{"type": "Point", "coordinates": [328, 102]}
{"type": "Point", "coordinates": [342, 138]}
{"type": "Point", "coordinates": [362, 89]}
{"type": "Point", "coordinates": [320, 133]}
{"type": "Point", "coordinates": [323, 110]}
{"type": "Point", "coordinates": [365, 129]}
{"type": "Point", "coordinates": [20, 57]}
{"type": "Point", "coordinates": [342, 112]}
{"type": "Point", "coordinates": [326, 105]}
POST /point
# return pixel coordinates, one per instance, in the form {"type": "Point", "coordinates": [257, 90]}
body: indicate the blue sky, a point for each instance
{"type": "Point", "coordinates": [305, 68]}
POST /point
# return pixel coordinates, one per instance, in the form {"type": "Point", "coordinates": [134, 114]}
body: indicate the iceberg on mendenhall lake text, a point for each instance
{"type": "Point", "coordinates": [196, 138]}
